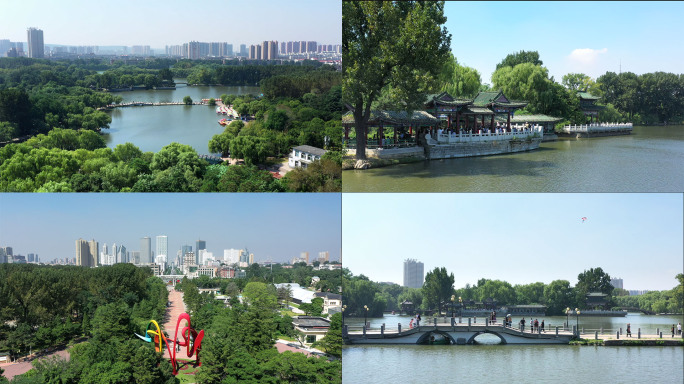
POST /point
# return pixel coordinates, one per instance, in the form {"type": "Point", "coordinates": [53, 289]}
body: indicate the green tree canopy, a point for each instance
{"type": "Point", "coordinates": [438, 288]}
{"type": "Point", "coordinates": [390, 44]}
{"type": "Point", "coordinates": [459, 80]}
{"type": "Point", "coordinates": [514, 59]}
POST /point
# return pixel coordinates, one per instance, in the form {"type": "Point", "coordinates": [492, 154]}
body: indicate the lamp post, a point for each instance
{"type": "Point", "coordinates": [365, 316]}
{"type": "Point", "coordinates": [453, 298]}
{"type": "Point", "coordinates": [343, 308]}
{"type": "Point", "coordinates": [567, 316]}
{"type": "Point", "coordinates": [577, 313]}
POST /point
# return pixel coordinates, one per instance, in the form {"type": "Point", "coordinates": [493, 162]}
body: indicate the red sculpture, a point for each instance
{"type": "Point", "coordinates": [192, 340]}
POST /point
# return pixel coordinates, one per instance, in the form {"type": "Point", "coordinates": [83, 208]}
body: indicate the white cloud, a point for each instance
{"type": "Point", "coordinates": [586, 55]}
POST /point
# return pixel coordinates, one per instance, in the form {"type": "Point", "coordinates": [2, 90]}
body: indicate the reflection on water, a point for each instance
{"type": "Point", "coordinates": [648, 160]}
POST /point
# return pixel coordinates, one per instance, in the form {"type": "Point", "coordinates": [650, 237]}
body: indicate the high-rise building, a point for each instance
{"type": "Point", "coordinates": [199, 245]}
{"type": "Point", "coordinates": [35, 43]}
{"type": "Point", "coordinates": [283, 48]}
{"type": "Point", "coordinates": [5, 46]}
{"type": "Point", "coordinates": [413, 273]}
{"type": "Point", "coordinates": [311, 46]}
{"type": "Point", "coordinates": [616, 282]}
{"type": "Point", "coordinates": [94, 250]}
{"type": "Point", "coordinates": [305, 256]}
{"type": "Point", "coordinates": [162, 246]}
{"type": "Point", "coordinates": [243, 50]}
{"type": "Point", "coordinates": [82, 253]}
{"type": "Point", "coordinates": [146, 250]}
{"type": "Point", "coordinates": [231, 256]}
{"type": "Point", "coordinates": [323, 257]}
{"type": "Point", "coordinates": [135, 257]}
{"type": "Point", "coordinates": [121, 254]}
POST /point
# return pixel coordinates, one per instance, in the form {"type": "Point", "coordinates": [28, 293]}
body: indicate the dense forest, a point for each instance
{"type": "Point", "coordinates": [240, 339]}
{"type": "Point", "coordinates": [54, 105]}
{"type": "Point", "coordinates": [556, 296]}
{"type": "Point", "coordinates": [43, 307]}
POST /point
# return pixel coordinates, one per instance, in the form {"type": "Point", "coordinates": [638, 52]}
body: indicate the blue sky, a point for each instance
{"type": "Point", "coordinates": [168, 22]}
{"type": "Point", "coordinates": [571, 37]}
{"type": "Point", "coordinates": [272, 226]}
{"type": "Point", "coordinates": [519, 238]}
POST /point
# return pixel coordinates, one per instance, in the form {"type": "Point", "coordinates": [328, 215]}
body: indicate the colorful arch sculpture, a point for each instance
{"type": "Point", "coordinates": [192, 340]}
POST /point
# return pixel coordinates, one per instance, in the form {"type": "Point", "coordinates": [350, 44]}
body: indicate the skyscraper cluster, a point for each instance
{"type": "Point", "coordinates": [196, 50]}
{"type": "Point", "coordinates": [268, 50]}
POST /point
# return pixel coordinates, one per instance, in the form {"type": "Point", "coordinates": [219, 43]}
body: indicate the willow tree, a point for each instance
{"type": "Point", "coordinates": [396, 47]}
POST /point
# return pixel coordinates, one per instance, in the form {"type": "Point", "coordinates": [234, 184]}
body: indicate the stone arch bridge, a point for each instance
{"type": "Point", "coordinates": [454, 334]}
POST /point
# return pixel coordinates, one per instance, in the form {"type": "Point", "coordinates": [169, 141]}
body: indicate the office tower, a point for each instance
{"type": "Point", "coordinates": [146, 250]}
{"type": "Point", "coordinates": [185, 249]}
{"type": "Point", "coordinates": [243, 50]}
{"type": "Point", "coordinates": [413, 273]}
{"type": "Point", "coordinates": [135, 257]}
{"type": "Point", "coordinates": [3, 255]}
{"type": "Point", "coordinates": [35, 43]}
{"type": "Point", "coordinates": [82, 253]}
{"type": "Point", "coordinates": [121, 254]}
{"type": "Point", "coordinates": [5, 46]}
{"type": "Point", "coordinates": [231, 256]}
{"type": "Point", "coordinates": [200, 245]}
{"type": "Point", "coordinates": [251, 259]}
{"type": "Point", "coordinates": [305, 256]}
{"type": "Point", "coordinates": [162, 246]}
{"type": "Point", "coordinates": [94, 250]}
{"type": "Point", "coordinates": [323, 257]}
{"type": "Point", "coordinates": [616, 282]}
{"type": "Point", "coordinates": [189, 259]}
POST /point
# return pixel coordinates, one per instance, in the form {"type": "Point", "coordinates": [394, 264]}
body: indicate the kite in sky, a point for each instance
{"type": "Point", "coordinates": [584, 219]}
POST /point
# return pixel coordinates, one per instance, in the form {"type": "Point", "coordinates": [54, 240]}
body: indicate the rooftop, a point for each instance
{"type": "Point", "coordinates": [311, 150]}
{"type": "Point", "coordinates": [310, 322]}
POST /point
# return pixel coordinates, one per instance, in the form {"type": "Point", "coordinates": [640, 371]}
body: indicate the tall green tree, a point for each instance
{"type": "Point", "coordinates": [459, 80]}
{"type": "Point", "coordinates": [592, 280]}
{"type": "Point", "coordinates": [438, 288]}
{"type": "Point", "coordinates": [390, 44]}
{"type": "Point", "coordinates": [514, 59]}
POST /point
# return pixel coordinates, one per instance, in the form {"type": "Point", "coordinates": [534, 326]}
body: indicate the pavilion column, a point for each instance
{"type": "Point", "coordinates": [491, 126]}
{"type": "Point", "coordinates": [467, 122]}
{"type": "Point", "coordinates": [346, 132]}
{"type": "Point", "coordinates": [396, 136]}
{"type": "Point", "coordinates": [458, 117]}
{"type": "Point", "coordinates": [508, 121]}
{"type": "Point", "coordinates": [482, 116]}
{"type": "Point", "coordinates": [381, 135]}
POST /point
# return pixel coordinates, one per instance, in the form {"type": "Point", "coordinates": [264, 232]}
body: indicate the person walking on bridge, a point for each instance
{"type": "Point", "coordinates": [629, 330]}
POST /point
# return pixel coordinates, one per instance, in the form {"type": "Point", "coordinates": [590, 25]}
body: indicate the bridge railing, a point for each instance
{"type": "Point", "coordinates": [599, 127]}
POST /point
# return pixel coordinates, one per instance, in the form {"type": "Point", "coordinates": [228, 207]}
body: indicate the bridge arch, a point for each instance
{"type": "Point", "coordinates": [497, 334]}
{"type": "Point", "coordinates": [425, 338]}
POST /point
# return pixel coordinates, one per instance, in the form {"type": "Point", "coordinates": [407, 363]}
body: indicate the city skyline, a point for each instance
{"type": "Point", "coordinates": [110, 25]}
{"type": "Point", "coordinates": [519, 238]}
{"type": "Point", "coordinates": [259, 222]}
{"type": "Point", "coordinates": [593, 38]}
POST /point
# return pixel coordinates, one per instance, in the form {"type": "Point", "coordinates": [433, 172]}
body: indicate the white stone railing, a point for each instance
{"type": "Point", "coordinates": [600, 127]}
{"type": "Point", "coordinates": [518, 132]}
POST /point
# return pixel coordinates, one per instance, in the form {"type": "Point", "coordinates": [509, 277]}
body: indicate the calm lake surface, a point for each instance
{"type": "Point", "coordinates": [151, 128]}
{"type": "Point", "coordinates": [517, 363]}
{"type": "Point", "coordinates": [648, 160]}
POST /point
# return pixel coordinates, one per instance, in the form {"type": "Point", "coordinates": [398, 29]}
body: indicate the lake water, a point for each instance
{"type": "Point", "coordinates": [648, 160]}
{"type": "Point", "coordinates": [151, 128]}
{"type": "Point", "coordinates": [517, 363]}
